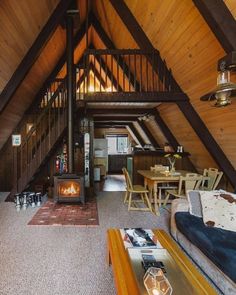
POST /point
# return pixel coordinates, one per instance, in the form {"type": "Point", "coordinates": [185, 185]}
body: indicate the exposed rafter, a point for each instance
{"type": "Point", "coordinates": [33, 53]}
{"type": "Point", "coordinates": [165, 129]}
{"type": "Point", "coordinates": [149, 135]}
{"type": "Point", "coordinates": [109, 45]}
{"type": "Point", "coordinates": [220, 20]}
{"type": "Point", "coordinates": [77, 39]}
{"type": "Point", "coordinates": [187, 109]}
{"type": "Point", "coordinates": [136, 134]}
{"type": "Point", "coordinates": [106, 70]}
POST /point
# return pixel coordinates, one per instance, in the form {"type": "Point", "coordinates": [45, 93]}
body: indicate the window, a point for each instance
{"type": "Point", "coordinates": [117, 144]}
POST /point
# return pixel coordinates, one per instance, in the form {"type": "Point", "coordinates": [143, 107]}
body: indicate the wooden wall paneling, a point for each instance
{"type": "Point", "coordinates": [205, 136]}
{"type": "Point", "coordinates": [166, 131]}
{"type": "Point", "coordinates": [56, 45]}
{"type": "Point", "coordinates": [102, 40]}
{"type": "Point", "coordinates": [16, 17]}
{"type": "Point", "coordinates": [143, 160]}
{"type": "Point", "coordinates": [33, 53]}
{"type": "Point", "coordinates": [220, 20]}
{"type": "Point", "coordinates": [182, 131]}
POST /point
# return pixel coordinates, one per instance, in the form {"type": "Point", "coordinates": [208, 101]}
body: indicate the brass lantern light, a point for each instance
{"type": "Point", "coordinates": [225, 89]}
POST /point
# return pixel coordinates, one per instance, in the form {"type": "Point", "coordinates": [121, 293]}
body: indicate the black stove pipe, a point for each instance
{"type": "Point", "coordinates": [70, 91]}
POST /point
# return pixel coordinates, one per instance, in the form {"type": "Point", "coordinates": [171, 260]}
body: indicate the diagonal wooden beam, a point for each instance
{"type": "Point", "coordinates": [33, 53]}
{"type": "Point", "coordinates": [186, 108]}
{"type": "Point", "coordinates": [136, 134]}
{"type": "Point", "coordinates": [165, 130]}
{"type": "Point", "coordinates": [97, 75]}
{"type": "Point", "coordinates": [149, 135]}
{"type": "Point", "coordinates": [34, 105]}
{"type": "Point", "coordinates": [109, 74]}
{"type": "Point", "coordinates": [168, 134]}
{"type": "Point", "coordinates": [110, 45]}
{"type": "Point", "coordinates": [220, 20]}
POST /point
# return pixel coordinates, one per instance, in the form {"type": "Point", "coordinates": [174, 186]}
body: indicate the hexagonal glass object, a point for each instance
{"type": "Point", "coordinates": [156, 283]}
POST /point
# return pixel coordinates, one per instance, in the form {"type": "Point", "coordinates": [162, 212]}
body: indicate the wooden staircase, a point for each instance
{"type": "Point", "coordinates": [47, 130]}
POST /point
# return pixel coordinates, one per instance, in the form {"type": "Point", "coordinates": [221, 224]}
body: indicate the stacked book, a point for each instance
{"type": "Point", "coordinates": [139, 238]}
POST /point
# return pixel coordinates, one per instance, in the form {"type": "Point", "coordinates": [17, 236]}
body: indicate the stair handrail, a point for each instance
{"type": "Point", "coordinates": [50, 102]}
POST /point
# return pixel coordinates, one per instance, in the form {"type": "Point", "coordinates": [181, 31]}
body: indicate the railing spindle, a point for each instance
{"type": "Point", "coordinates": [112, 73]}
{"type": "Point", "coordinates": [141, 74]}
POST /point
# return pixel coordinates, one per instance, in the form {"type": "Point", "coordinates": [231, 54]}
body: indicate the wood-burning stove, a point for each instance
{"type": "Point", "coordinates": [69, 188]}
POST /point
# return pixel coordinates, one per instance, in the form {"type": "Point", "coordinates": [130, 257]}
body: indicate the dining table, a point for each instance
{"type": "Point", "coordinates": [153, 178]}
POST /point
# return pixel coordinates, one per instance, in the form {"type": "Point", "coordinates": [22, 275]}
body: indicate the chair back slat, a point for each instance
{"type": "Point", "coordinates": [212, 178]}
{"type": "Point", "coordinates": [191, 181]}
{"type": "Point", "coordinates": [218, 178]}
{"type": "Point", "coordinates": [127, 179]}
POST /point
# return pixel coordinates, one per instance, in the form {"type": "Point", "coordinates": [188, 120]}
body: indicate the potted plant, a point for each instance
{"type": "Point", "coordinates": [172, 158]}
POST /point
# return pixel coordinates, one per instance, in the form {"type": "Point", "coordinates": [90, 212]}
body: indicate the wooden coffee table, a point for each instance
{"type": "Point", "coordinates": [125, 279]}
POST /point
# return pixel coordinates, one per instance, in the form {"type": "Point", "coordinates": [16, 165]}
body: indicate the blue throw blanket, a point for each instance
{"type": "Point", "coordinates": [217, 244]}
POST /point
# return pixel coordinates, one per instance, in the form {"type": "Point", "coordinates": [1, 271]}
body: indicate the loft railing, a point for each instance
{"type": "Point", "coordinates": [46, 130]}
{"type": "Point", "coordinates": [121, 70]}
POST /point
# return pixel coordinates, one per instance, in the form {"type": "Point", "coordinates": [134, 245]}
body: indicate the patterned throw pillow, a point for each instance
{"type": "Point", "coordinates": [194, 201]}
{"type": "Point", "coordinates": [219, 209]}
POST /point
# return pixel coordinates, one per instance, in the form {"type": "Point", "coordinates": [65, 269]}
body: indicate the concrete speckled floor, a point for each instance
{"type": "Point", "coordinates": [63, 260]}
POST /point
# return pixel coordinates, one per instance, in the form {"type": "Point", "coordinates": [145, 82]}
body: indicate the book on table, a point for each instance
{"type": "Point", "coordinates": [139, 237]}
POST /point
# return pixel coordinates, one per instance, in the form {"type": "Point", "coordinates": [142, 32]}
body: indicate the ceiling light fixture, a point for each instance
{"type": "Point", "coordinates": [225, 89]}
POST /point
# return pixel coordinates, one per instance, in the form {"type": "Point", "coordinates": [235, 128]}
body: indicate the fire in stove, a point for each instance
{"type": "Point", "coordinates": [69, 189]}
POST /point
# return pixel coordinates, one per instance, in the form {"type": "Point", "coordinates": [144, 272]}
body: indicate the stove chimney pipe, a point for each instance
{"type": "Point", "coordinates": [70, 90]}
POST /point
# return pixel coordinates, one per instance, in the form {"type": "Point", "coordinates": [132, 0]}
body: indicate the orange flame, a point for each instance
{"type": "Point", "coordinates": [71, 190]}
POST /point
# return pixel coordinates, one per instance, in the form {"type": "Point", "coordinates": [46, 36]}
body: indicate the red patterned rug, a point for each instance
{"type": "Point", "coordinates": [55, 214]}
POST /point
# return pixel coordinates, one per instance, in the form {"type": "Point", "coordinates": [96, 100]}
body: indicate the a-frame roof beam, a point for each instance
{"type": "Point", "coordinates": [165, 130]}
{"type": "Point", "coordinates": [149, 135]}
{"type": "Point", "coordinates": [33, 53]}
{"type": "Point", "coordinates": [77, 39]}
{"type": "Point", "coordinates": [109, 45]}
{"type": "Point", "coordinates": [220, 20]}
{"type": "Point", "coordinates": [186, 107]}
{"type": "Point", "coordinates": [136, 134]}
{"type": "Point", "coordinates": [110, 75]}
{"type": "Point", "coordinates": [97, 75]}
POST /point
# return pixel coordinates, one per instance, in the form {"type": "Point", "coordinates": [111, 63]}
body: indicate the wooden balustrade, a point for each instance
{"type": "Point", "coordinates": [123, 70]}
{"type": "Point", "coordinates": [45, 132]}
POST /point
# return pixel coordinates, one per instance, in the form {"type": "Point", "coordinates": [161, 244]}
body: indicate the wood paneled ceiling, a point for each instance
{"type": "Point", "coordinates": [175, 28]}
{"type": "Point", "coordinates": [179, 32]}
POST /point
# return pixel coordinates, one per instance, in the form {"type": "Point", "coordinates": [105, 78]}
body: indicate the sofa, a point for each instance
{"type": "Point", "coordinates": [212, 249]}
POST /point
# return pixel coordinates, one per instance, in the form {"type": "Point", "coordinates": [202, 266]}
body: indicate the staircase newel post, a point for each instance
{"type": "Point", "coordinates": [70, 90]}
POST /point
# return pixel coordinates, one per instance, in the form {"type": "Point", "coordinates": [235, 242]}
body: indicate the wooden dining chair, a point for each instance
{"type": "Point", "coordinates": [139, 190]}
{"type": "Point", "coordinates": [191, 181]}
{"type": "Point", "coordinates": [162, 187]}
{"type": "Point", "coordinates": [211, 179]}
